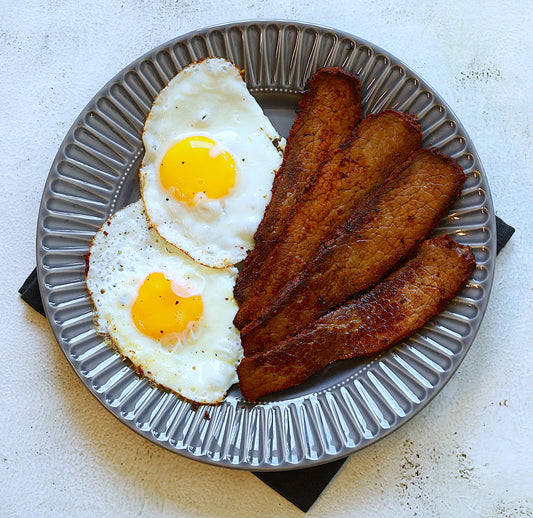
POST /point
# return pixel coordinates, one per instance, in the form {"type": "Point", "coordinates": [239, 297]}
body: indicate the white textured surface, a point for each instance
{"type": "Point", "coordinates": [469, 453]}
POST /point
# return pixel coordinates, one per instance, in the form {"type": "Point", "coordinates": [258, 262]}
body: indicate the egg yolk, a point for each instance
{"type": "Point", "coordinates": [159, 312]}
{"type": "Point", "coordinates": [197, 165]}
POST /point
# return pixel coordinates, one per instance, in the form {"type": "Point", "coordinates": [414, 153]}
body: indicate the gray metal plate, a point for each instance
{"type": "Point", "coordinates": [348, 405]}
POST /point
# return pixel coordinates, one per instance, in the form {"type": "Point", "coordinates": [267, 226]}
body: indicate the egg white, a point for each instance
{"type": "Point", "coordinates": [201, 366]}
{"type": "Point", "coordinates": [210, 99]}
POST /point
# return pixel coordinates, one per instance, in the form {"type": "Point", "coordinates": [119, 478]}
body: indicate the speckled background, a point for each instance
{"type": "Point", "coordinates": [469, 453]}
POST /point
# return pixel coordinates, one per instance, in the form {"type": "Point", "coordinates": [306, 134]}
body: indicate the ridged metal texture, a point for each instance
{"type": "Point", "coordinates": [347, 406]}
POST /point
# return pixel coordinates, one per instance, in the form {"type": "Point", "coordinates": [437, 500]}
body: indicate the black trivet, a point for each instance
{"type": "Point", "coordinates": [300, 486]}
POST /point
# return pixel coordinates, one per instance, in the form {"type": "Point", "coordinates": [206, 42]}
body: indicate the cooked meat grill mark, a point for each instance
{"type": "Point", "coordinates": [382, 231]}
{"type": "Point", "coordinates": [369, 324]}
{"type": "Point", "coordinates": [379, 143]}
{"type": "Point", "coordinates": [330, 110]}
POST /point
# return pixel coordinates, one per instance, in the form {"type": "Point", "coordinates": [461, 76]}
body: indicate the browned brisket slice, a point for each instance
{"type": "Point", "coordinates": [379, 144]}
{"type": "Point", "coordinates": [392, 311]}
{"type": "Point", "coordinates": [329, 111]}
{"type": "Point", "coordinates": [382, 231]}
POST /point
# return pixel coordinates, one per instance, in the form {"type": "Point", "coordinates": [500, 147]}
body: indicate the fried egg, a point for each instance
{"type": "Point", "coordinates": [210, 159]}
{"type": "Point", "coordinates": [171, 316]}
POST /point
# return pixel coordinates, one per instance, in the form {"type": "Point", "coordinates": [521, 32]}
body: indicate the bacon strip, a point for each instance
{"type": "Point", "coordinates": [392, 311]}
{"type": "Point", "coordinates": [329, 111]}
{"type": "Point", "coordinates": [379, 144]}
{"type": "Point", "coordinates": [384, 229]}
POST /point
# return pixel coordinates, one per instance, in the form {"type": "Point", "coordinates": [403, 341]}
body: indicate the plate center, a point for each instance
{"type": "Point", "coordinates": [280, 107]}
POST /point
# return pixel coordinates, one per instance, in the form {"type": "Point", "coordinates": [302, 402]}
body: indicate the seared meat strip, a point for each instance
{"type": "Point", "coordinates": [382, 231]}
{"type": "Point", "coordinates": [379, 144]}
{"type": "Point", "coordinates": [329, 111]}
{"type": "Point", "coordinates": [392, 311]}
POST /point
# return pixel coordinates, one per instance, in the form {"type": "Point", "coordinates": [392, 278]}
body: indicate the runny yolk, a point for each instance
{"type": "Point", "coordinates": [197, 165]}
{"type": "Point", "coordinates": [159, 312]}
